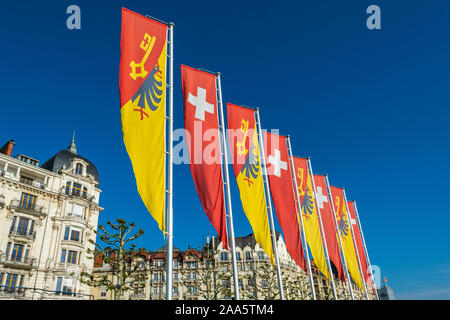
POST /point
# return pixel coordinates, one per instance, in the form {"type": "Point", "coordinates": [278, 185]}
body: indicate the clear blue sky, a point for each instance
{"type": "Point", "coordinates": [369, 107]}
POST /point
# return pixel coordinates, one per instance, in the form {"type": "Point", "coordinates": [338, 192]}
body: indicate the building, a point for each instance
{"type": "Point", "coordinates": [207, 274]}
{"type": "Point", "coordinates": [386, 293]}
{"type": "Point", "coordinates": [48, 213]}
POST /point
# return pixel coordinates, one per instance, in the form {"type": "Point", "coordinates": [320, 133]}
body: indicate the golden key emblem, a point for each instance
{"type": "Point", "coordinates": [300, 173]}
{"type": "Point", "coordinates": [241, 145]}
{"type": "Point", "coordinates": [146, 45]}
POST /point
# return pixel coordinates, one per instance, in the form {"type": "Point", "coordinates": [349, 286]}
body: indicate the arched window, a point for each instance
{"type": "Point", "coordinates": [78, 168]}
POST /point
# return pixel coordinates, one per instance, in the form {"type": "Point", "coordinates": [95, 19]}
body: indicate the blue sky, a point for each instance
{"type": "Point", "coordinates": [370, 107]}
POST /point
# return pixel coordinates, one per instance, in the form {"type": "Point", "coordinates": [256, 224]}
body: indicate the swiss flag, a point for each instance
{"type": "Point", "coordinates": [329, 227]}
{"type": "Point", "coordinates": [281, 188]}
{"type": "Point", "coordinates": [201, 122]}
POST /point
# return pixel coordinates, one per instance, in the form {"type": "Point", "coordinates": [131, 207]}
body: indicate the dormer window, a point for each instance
{"type": "Point", "coordinates": [78, 168]}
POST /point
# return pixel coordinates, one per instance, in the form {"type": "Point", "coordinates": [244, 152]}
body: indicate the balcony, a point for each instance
{"type": "Point", "coordinates": [17, 262]}
{"type": "Point", "coordinates": [23, 234]}
{"type": "Point", "coordinates": [35, 210]}
{"type": "Point", "coordinates": [74, 217]}
{"type": "Point", "coordinates": [78, 195]}
{"type": "Point", "coordinates": [12, 292]}
{"type": "Point", "coordinates": [137, 295]}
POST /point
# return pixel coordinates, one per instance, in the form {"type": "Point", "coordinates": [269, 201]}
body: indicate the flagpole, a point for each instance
{"type": "Point", "coordinates": [354, 244]}
{"type": "Point", "coordinates": [228, 193]}
{"type": "Point", "coordinates": [269, 203]}
{"type": "Point", "coordinates": [341, 248]}
{"type": "Point", "coordinates": [365, 248]}
{"type": "Point", "coordinates": [322, 233]}
{"type": "Point", "coordinates": [169, 259]}
{"type": "Point", "coordinates": [305, 245]}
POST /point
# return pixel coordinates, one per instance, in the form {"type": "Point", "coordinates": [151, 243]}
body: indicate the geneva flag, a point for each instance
{"type": "Point", "coordinates": [200, 119]}
{"type": "Point", "coordinates": [244, 149]}
{"type": "Point", "coordinates": [346, 235]}
{"type": "Point", "coordinates": [280, 179]}
{"type": "Point", "coordinates": [309, 213]}
{"type": "Point", "coordinates": [329, 227]}
{"type": "Point", "coordinates": [142, 85]}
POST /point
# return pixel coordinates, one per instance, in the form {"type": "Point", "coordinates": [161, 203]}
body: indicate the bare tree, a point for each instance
{"type": "Point", "coordinates": [124, 273]}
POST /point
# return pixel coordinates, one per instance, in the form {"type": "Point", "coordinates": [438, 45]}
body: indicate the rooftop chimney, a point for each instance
{"type": "Point", "coordinates": [7, 148]}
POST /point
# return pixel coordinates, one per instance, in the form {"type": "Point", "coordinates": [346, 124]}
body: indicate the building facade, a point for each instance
{"type": "Point", "coordinates": [207, 274]}
{"type": "Point", "coordinates": [48, 213]}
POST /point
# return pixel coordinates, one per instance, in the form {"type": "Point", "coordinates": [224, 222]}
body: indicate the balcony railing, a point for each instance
{"type": "Point", "coordinates": [21, 233]}
{"type": "Point", "coordinates": [17, 262]}
{"type": "Point", "coordinates": [33, 210]}
{"type": "Point", "coordinates": [12, 291]}
{"type": "Point", "coordinates": [74, 217]}
{"type": "Point", "coordinates": [80, 195]}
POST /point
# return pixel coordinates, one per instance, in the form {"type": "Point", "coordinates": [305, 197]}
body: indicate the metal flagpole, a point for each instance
{"type": "Point", "coordinates": [322, 233]}
{"type": "Point", "coordinates": [365, 248]}
{"type": "Point", "coordinates": [169, 259]}
{"type": "Point", "coordinates": [354, 244]}
{"type": "Point", "coordinates": [269, 203]}
{"type": "Point", "coordinates": [299, 208]}
{"type": "Point", "coordinates": [341, 249]}
{"type": "Point", "coordinates": [227, 183]}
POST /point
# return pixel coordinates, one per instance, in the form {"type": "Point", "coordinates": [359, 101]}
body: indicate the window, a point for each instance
{"type": "Point", "coordinates": [224, 268]}
{"type": "Point", "coordinates": [17, 251]}
{"type": "Point", "coordinates": [238, 256]}
{"type": "Point", "coordinates": [22, 226]}
{"type": "Point", "coordinates": [176, 263]}
{"type": "Point", "coordinates": [224, 256]}
{"type": "Point", "coordinates": [26, 180]}
{"type": "Point", "coordinates": [72, 257]}
{"type": "Point", "coordinates": [63, 256]}
{"type": "Point", "coordinates": [76, 189]}
{"type": "Point", "coordinates": [103, 291]}
{"type": "Point", "coordinates": [175, 276]}
{"type": "Point", "coordinates": [175, 291]}
{"type": "Point", "coordinates": [260, 255]}
{"type": "Point", "coordinates": [155, 290]}
{"type": "Point", "coordinates": [84, 192]}
{"type": "Point", "coordinates": [248, 255]}
{"type": "Point", "coordinates": [67, 191]}
{"type": "Point", "coordinates": [72, 234]}
{"type": "Point", "coordinates": [264, 283]}
{"type": "Point", "coordinates": [11, 281]}
{"type": "Point", "coordinates": [65, 286]}
{"type": "Point", "coordinates": [27, 201]}
{"type": "Point", "coordinates": [155, 277]}
{"type": "Point", "coordinates": [188, 264]}
{"type": "Point", "coordinates": [78, 168]}
{"type": "Point", "coordinates": [75, 210]}
{"type": "Point", "coordinates": [194, 275]}
{"type": "Point", "coordinates": [195, 264]}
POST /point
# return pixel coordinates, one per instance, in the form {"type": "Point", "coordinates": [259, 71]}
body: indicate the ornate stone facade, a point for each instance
{"type": "Point", "coordinates": [47, 215]}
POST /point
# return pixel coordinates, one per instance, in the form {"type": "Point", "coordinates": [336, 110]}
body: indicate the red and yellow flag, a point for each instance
{"type": "Point", "coordinates": [346, 235]}
{"type": "Point", "coordinates": [244, 149]}
{"type": "Point", "coordinates": [310, 214]}
{"type": "Point", "coordinates": [359, 244]}
{"type": "Point", "coordinates": [142, 86]}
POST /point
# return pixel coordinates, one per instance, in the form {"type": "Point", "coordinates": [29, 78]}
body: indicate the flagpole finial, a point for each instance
{"type": "Point", "coordinates": [218, 74]}
{"type": "Point", "coordinates": [325, 175]}
{"type": "Point", "coordinates": [308, 158]}
{"type": "Point", "coordinates": [171, 24]}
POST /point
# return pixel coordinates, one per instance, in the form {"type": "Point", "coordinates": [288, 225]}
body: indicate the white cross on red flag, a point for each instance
{"type": "Point", "coordinates": [200, 115]}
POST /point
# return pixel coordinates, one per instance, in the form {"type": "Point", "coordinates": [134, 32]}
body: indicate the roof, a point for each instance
{"type": "Point", "coordinates": [63, 158]}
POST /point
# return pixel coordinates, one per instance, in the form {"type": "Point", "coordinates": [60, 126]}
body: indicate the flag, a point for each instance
{"type": "Point", "coordinates": [281, 188]}
{"type": "Point", "coordinates": [142, 86]}
{"type": "Point", "coordinates": [310, 214]}
{"type": "Point", "coordinates": [200, 117]}
{"type": "Point", "coordinates": [359, 244]}
{"type": "Point", "coordinates": [244, 149]}
{"type": "Point", "coordinates": [346, 235]}
{"type": "Point", "coordinates": [329, 227]}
